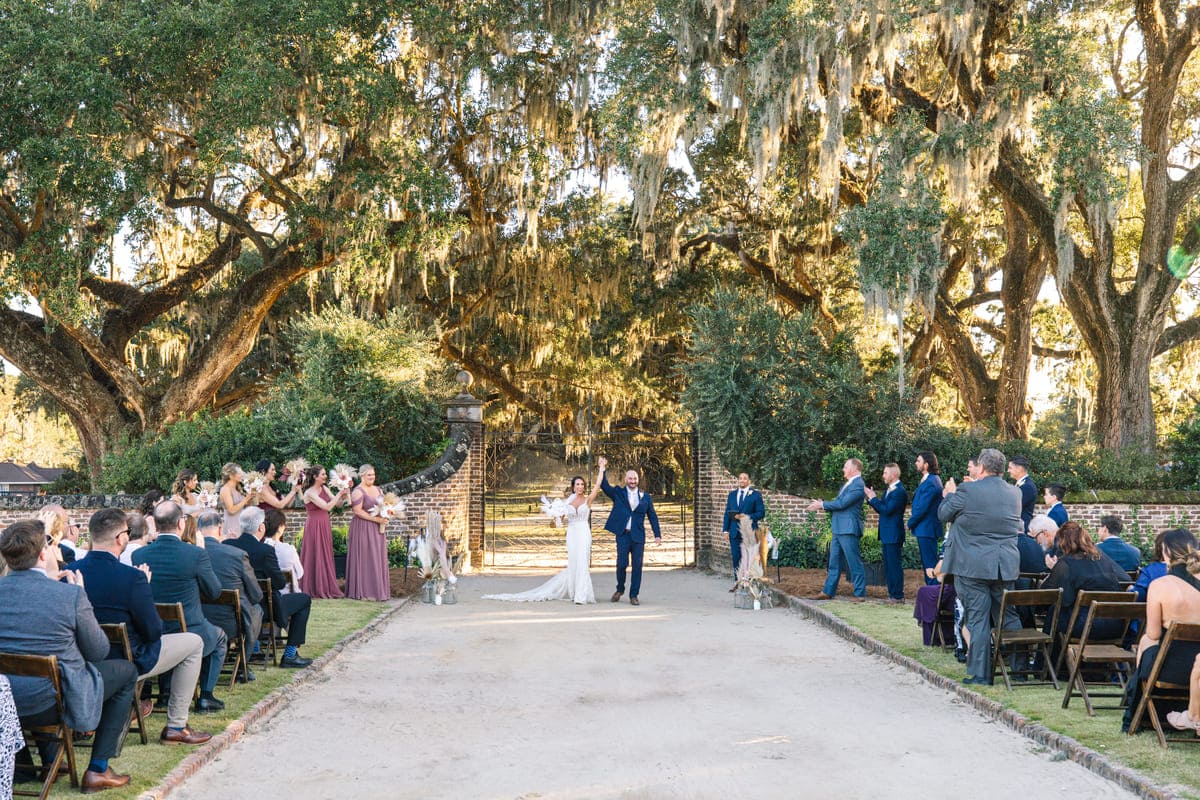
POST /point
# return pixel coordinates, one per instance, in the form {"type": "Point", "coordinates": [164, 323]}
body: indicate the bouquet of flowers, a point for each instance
{"type": "Point", "coordinates": [421, 548]}
{"type": "Point", "coordinates": [294, 470]}
{"type": "Point", "coordinates": [253, 482]}
{"type": "Point", "coordinates": [390, 505]}
{"type": "Point", "coordinates": [342, 476]}
{"type": "Point", "coordinates": [208, 494]}
{"type": "Point", "coordinates": [556, 510]}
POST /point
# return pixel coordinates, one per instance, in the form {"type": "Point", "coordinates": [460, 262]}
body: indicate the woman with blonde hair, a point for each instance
{"type": "Point", "coordinates": [233, 502]}
{"type": "Point", "coordinates": [366, 557]}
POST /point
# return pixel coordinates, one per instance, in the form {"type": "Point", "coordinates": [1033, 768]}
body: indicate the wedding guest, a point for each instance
{"type": "Point", "coordinates": [233, 570]}
{"type": "Point", "coordinates": [191, 532]}
{"type": "Point", "coordinates": [1033, 545]}
{"type": "Point", "coordinates": [1055, 510]}
{"type": "Point", "coordinates": [11, 740]}
{"type": "Point", "coordinates": [366, 560]}
{"type": "Point", "coordinates": [316, 548]}
{"type": "Point", "coordinates": [268, 498]}
{"type": "Point", "coordinates": [149, 500]}
{"type": "Point", "coordinates": [1175, 597]}
{"type": "Point", "coordinates": [1112, 545]}
{"type": "Point", "coordinates": [233, 502]}
{"type": "Point", "coordinates": [72, 551]}
{"type": "Point", "coordinates": [183, 492]}
{"type": "Point", "coordinates": [55, 518]}
{"type": "Point", "coordinates": [44, 615]}
{"type": "Point", "coordinates": [1152, 571]}
{"type": "Point", "coordinates": [1082, 568]}
{"type": "Point", "coordinates": [139, 536]}
{"type": "Point", "coordinates": [121, 594]}
{"type": "Point", "coordinates": [285, 553]}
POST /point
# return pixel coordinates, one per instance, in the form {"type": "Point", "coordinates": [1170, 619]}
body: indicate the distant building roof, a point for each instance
{"type": "Point", "coordinates": [30, 474]}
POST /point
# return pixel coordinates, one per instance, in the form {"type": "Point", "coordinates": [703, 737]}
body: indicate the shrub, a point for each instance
{"type": "Point", "coordinates": [835, 459]}
{"type": "Point", "coordinates": [397, 550]}
{"type": "Point", "coordinates": [341, 538]}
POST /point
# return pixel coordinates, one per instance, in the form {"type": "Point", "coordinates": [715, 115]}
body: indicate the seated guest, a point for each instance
{"type": "Point", "coordinates": [1152, 571]}
{"type": "Point", "coordinates": [285, 553]}
{"type": "Point", "coordinates": [43, 616]}
{"type": "Point", "coordinates": [183, 574]}
{"type": "Point", "coordinates": [139, 536]}
{"type": "Point", "coordinates": [122, 594]}
{"type": "Point", "coordinates": [291, 610]}
{"type": "Point", "coordinates": [1175, 597]}
{"type": "Point", "coordinates": [54, 518]}
{"type": "Point", "coordinates": [1053, 495]}
{"type": "Point", "coordinates": [1032, 547]}
{"type": "Point", "coordinates": [234, 572]}
{"type": "Point", "coordinates": [1128, 557]}
{"type": "Point", "coordinates": [1082, 568]}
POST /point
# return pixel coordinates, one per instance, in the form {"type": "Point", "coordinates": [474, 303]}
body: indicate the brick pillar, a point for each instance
{"type": "Point", "coordinates": [465, 413]}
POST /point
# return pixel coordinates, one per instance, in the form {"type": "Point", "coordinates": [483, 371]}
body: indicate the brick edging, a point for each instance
{"type": "Point", "coordinates": [266, 708]}
{"type": "Point", "coordinates": [1073, 750]}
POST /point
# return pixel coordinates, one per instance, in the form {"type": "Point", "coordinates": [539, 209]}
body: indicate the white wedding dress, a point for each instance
{"type": "Point", "coordinates": [574, 582]}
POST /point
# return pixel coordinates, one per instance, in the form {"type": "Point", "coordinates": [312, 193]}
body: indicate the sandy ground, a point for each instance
{"type": "Point", "coordinates": [682, 697]}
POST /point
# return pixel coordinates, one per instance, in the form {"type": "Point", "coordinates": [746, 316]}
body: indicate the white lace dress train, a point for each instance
{"type": "Point", "coordinates": [574, 582]}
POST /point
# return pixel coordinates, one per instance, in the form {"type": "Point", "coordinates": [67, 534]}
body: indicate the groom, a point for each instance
{"type": "Point", "coordinates": [627, 521]}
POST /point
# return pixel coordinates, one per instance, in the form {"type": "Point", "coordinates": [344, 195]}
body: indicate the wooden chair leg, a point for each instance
{"type": "Point", "coordinates": [1071, 682]}
{"type": "Point", "coordinates": [137, 712]}
{"type": "Point", "coordinates": [1154, 720]}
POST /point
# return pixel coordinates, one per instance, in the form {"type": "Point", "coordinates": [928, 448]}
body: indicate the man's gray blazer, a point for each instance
{"type": "Point", "coordinates": [985, 517]}
{"type": "Point", "coordinates": [846, 510]}
{"type": "Point", "coordinates": [46, 618]}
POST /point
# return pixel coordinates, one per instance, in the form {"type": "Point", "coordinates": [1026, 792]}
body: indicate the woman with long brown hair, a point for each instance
{"type": "Point", "coordinates": [1082, 567]}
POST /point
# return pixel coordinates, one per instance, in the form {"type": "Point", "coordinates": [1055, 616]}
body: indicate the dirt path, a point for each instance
{"type": "Point", "coordinates": [682, 697]}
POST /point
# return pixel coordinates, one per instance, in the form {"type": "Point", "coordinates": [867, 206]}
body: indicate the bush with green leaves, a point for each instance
{"type": "Point", "coordinates": [366, 391]}
{"type": "Point", "coordinates": [835, 459]}
{"type": "Point", "coordinates": [1184, 446]}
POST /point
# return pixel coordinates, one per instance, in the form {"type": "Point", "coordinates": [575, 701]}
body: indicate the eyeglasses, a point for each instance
{"type": "Point", "coordinates": [118, 533]}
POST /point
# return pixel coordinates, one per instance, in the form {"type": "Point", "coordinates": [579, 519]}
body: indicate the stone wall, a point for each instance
{"type": "Point", "coordinates": [714, 482]}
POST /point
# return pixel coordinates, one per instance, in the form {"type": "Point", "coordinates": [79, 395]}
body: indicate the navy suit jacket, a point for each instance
{"type": "Point", "coordinates": [923, 521]}
{"type": "Point", "coordinates": [845, 510]}
{"type": "Point", "coordinates": [752, 506]}
{"type": "Point", "coordinates": [1126, 555]}
{"type": "Point", "coordinates": [1058, 513]}
{"type": "Point", "coordinates": [232, 566]}
{"type": "Point", "coordinates": [1033, 557]}
{"type": "Point", "coordinates": [890, 507]}
{"type": "Point", "coordinates": [181, 574]}
{"type": "Point", "coordinates": [1029, 496]}
{"type": "Point", "coordinates": [635, 516]}
{"type": "Point", "coordinates": [122, 594]}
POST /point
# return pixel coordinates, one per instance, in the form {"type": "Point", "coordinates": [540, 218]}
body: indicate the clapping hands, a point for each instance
{"type": "Point", "coordinates": [870, 492]}
{"type": "Point", "coordinates": [950, 488]}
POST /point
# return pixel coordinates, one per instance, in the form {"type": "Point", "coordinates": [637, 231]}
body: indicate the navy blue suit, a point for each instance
{"type": "Point", "coordinates": [890, 507]}
{"type": "Point", "coordinates": [1126, 555]}
{"type": "Point", "coordinates": [1029, 496]}
{"type": "Point", "coordinates": [122, 594]}
{"type": "Point", "coordinates": [924, 522]}
{"type": "Point", "coordinates": [292, 609]}
{"type": "Point", "coordinates": [1058, 513]}
{"type": "Point", "coordinates": [631, 543]}
{"type": "Point", "coordinates": [752, 506]}
{"type": "Point", "coordinates": [846, 522]}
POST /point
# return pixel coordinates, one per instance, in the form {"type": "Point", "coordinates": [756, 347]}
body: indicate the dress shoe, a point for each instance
{"type": "Point", "coordinates": [147, 707]}
{"type": "Point", "coordinates": [633, 601]}
{"type": "Point", "coordinates": [246, 676]}
{"type": "Point", "coordinates": [960, 655]}
{"type": "Point", "coordinates": [258, 658]}
{"type": "Point", "coordinates": [973, 681]}
{"type": "Point", "coordinates": [99, 781]}
{"type": "Point", "coordinates": [616, 598]}
{"type": "Point", "coordinates": [184, 735]}
{"type": "Point", "coordinates": [208, 705]}
{"type": "Point", "coordinates": [821, 596]}
{"type": "Point", "coordinates": [894, 601]}
{"type": "Point", "coordinates": [857, 599]}
{"type": "Point", "coordinates": [295, 662]}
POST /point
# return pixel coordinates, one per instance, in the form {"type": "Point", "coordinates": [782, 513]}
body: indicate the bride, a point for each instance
{"type": "Point", "coordinates": [574, 582]}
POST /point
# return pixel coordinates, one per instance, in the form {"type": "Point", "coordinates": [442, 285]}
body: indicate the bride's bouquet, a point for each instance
{"type": "Point", "coordinates": [253, 482]}
{"type": "Point", "coordinates": [295, 470]}
{"type": "Point", "coordinates": [390, 505]}
{"type": "Point", "coordinates": [342, 476]}
{"type": "Point", "coordinates": [208, 494]}
{"type": "Point", "coordinates": [556, 510]}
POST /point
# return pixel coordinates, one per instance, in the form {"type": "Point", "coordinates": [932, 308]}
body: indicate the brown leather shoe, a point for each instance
{"type": "Point", "coordinates": [147, 707]}
{"type": "Point", "coordinates": [616, 598]}
{"type": "Point", "coordinates": [99, 781]}
{"type": "Point", "coordinates": [633, 601]}
{"type": "Point", "coordinates": [820, 596]}
{"type": "Point", "coordinates": [857, 599]}
{"type": "Point", "coordinates": [184, 736]}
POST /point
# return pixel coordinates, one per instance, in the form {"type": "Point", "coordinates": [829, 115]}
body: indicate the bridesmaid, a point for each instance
{"type": "Point", "coordinates": [366, 561]}
{"type": "Point", "coordinates": [184, 492]}
{"type": "Point", "coordinates": [316, 548]}
{"type": "Point", "coordinates": [233, 502]}
{"type": "Point", "coordinates": [267, 498]}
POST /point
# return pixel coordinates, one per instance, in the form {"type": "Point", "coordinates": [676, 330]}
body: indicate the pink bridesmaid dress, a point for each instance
{"type": "Point", "coordinates": [316, 553]}
{"type": "Point", "coordinates": [366, 564]}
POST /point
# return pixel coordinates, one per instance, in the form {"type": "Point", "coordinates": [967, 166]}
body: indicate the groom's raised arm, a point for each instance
{"type": "Point", "coordinates": [607, 488]}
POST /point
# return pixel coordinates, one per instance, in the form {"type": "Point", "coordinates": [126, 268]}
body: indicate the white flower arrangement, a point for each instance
{"type": "Point", "coordinates": [390, 506]}
{"type": "Point", "coordinates": [253, 482]}
{"type": "Point", "coordinates": [342, 477]}
{"type": "Point", "coordinates": [295, 470]}
{"type": "Point", "coordinates": [556, 510]}
{"type": "Point", "coordinates": [208, 494]}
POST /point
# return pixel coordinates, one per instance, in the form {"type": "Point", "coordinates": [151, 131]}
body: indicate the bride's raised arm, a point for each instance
{"type": "Point", "coordinates": [602, 463]}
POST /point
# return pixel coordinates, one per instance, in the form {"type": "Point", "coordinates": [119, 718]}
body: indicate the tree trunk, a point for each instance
{"type": "Point", "coordinates": [1024, 271]}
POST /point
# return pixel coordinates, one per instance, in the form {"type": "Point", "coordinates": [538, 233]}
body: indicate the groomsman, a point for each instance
{"type": "Point", "coordinates": [890, 508]}
{"type": "Point", "coordinates": [923, 521]}
{"type": "Point", "coordinates": [846, 522]}
{"type": "Point", "coordinates": [742, 500]}
{"type": "Point", "coordinates": [1018, 470]}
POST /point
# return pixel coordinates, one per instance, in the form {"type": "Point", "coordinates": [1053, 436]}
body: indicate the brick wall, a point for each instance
{"type": "Point", "coordinates": [714, 483]}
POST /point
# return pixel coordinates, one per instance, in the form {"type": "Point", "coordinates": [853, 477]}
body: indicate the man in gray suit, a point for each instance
{"type": "Point", "coordinates": [846, 520]}
{"type": "Point", "coordinates": [981, 553]}
{"type": "Point", "coordinates": [45, 617]}
{"type": "Point", "coordinates": [233, 570]}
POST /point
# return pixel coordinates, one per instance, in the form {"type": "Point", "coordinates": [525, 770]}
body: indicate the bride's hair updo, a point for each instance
{"type": "Point", "coordinates": [571, 485]}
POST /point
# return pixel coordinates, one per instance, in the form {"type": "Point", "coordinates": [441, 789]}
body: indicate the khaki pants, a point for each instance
{"type": "Point", "coordinates": [181, 652]}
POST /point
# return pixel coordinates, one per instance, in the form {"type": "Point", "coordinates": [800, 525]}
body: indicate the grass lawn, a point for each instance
{"type": "Point", "coordinates": [331, 621]}
{"type": "Point", "coordinates": [1177, 768]}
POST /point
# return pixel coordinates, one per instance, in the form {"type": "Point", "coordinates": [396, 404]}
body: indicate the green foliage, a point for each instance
{"type": "Point", "coordinates": [72, 481]}
{"type": "Point", "coordinates": [397, 551]}
{"type": "Point", "coordinates": [1184, 446]}
{"type": "Point", "coordinates": [341, 540]}
{"type": "Point", "coordinates": [835, 459]}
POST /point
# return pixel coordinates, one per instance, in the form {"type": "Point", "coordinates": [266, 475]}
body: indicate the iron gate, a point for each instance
{"type": "Point", "coordinates": [521, 467]}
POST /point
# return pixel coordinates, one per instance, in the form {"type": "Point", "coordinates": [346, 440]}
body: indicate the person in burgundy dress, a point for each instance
{"type": "Point", "coordinates": [366, 562]}
{"type": "Point", "coordinates": [316, 548]}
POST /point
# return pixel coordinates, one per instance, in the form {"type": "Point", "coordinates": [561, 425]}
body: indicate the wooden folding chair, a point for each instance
{"type": "Point", "coordinates": [1107, 652]}
{"type": "Point", "coordinates": [1155, 689]}
{"type": "Point", "coordinates": [45, 667]}
{"type": "Point", "coordinates": [1083, 602]}
{"type": "Point", "coordinates": [232, 598]}
{"type": "Point", "coordinates": [289, 578]}
{"type": "Point", "coordinates": [118, 636]}
{"type": "Point", "coordinates": [267, 635]}
{"type": "Point", "coordinates": [938, 637]}
{"type": "Point", "coordinates": [1023, 640]}
{"type": "Point", "coordinates": [172, 612]}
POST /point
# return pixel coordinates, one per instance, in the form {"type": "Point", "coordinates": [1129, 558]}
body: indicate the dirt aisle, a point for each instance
{"type": "Point", "coordinates": [682, 697]}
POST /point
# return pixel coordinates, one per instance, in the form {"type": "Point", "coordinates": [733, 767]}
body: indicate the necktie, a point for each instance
{"type": "Point", "coordinates": [741, 496]}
